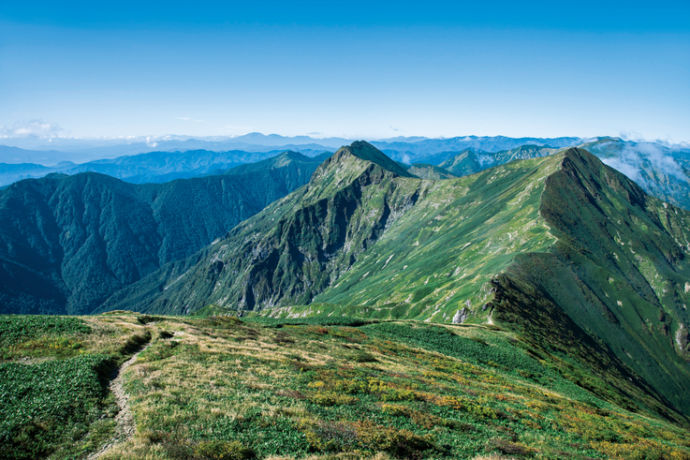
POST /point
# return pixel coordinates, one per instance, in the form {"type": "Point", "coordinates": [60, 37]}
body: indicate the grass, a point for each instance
{"type": "Point", "coordinates": [19, 335]}
{"type": "Point", "coordinates": [50, 404]}
{"type": "Point", "coordinates": [360, 241]}
{"type": "Point", "coordinates": [227, 388]}
{"type": "Point", "coordinates": [54, 373]}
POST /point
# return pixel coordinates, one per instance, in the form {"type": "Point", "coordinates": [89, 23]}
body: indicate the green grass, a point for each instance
{"type": "Point", "coordinates": [361, 241]}
{"type": "Point", "coordinates": [54, 400]}
{"type": "Point", "coordinates": [20, 334]}
{"type": "Point", "coordinates": [47, 406]}
{"type": "Point", "coordinates": [223, 387]}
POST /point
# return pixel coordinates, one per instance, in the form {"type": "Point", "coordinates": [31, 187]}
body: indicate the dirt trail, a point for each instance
{"type": "Point", "coordinates": [125, 422]}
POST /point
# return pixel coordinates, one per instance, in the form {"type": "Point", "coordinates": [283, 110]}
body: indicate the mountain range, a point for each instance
{"type": "Point", "coordinates": [352, 305]}
{"type": "Point", "coordinates": [68, 242]}
{"type": "Point", "coordinates": [150, 167]}
{"type": "Point", "coordinates": [551, 243]}
{"type": "Point", "coordinates": [564, 249]}
{"type": "Point", "coordinates": [662, 170]}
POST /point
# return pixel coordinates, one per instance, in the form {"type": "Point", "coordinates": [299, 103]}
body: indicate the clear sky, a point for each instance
{"type": "Point", "coordinates": [346, 68]}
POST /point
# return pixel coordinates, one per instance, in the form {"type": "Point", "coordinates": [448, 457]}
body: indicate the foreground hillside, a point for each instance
{"type": "Point", "coordinates": [68, 242]}
{"type": "Point", "coordinates": [219, 387]}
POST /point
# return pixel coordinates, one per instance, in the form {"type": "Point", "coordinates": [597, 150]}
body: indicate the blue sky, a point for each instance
{"type": "Point", "coordinates": [354, 69]}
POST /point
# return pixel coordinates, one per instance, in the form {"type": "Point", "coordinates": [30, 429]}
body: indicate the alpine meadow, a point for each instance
{"type": "Point", "coordinates": [388, 278]}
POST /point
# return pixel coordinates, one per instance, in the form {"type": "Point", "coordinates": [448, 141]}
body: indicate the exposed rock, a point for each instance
{"type": "Point", "coordinates": [461, 316]}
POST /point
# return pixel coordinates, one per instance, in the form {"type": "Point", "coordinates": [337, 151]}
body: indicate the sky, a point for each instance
{"type": "Point", "coordinates": [357, 69]}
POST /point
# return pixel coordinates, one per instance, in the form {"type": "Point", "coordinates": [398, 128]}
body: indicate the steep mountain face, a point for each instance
{"type": "Point", "coordinates": [295, 247]}
{"type": "Point", "coordinates": [660, 170]}
{"type": "Point", "coordinates": [619, 270]}
{"type": "Point", "coordinates": [68, 242]}
{"type": "Point", "coordinates": [563, 241]}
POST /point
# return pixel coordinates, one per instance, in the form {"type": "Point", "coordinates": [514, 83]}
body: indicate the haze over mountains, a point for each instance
{"type": "Point", "coordinates": [660, 169]}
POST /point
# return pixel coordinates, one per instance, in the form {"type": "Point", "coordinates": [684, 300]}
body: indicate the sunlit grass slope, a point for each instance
{"type": "Point", "coordinates": [219, 387]}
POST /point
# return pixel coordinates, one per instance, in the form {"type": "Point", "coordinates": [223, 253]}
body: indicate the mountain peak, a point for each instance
{"type": "Point", "coordinates": [367, 152]}
{"type": "Point", "coordinates": [289, 156]}
{"type": "Point", "coordinates": [578, 153]}
{"type": "Point", "coordinates": [293, 155]}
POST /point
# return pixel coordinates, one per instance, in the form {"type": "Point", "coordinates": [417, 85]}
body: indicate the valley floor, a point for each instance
{"type": "Point", "coordinates": [224, 388]}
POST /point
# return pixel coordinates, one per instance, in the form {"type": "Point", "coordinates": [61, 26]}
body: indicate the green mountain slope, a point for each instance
{"type": "Point", "coordinates": [619, 270]}
{"type": "Point", "coordinates": [562, 238]}
{"type": "Point", "coordinates": [68, 242]}
{"type": "Point", "coordinates": [425, 171]}
{"type": "Point", "coordinates": [306, 238]}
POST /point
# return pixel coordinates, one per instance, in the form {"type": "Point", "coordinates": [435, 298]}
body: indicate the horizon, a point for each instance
{"type": "Point", "coordinates": [352, 70]}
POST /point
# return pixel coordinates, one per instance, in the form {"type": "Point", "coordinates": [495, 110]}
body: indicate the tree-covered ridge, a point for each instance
{"type": "Point", "coordinates": [68, 242]}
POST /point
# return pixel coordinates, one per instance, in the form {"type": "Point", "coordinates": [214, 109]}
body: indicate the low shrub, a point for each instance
{"type": "Point", "coordinates": [331, 398]}
{"type": "Point", "coordinates": [223, 450]}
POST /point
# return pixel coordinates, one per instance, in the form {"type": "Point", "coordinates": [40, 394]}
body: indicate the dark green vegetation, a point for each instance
{"type": "Point", "coordinates": [590, 269]}
{"type": "Point", "coordinates": [50, 403]}
{"type": "Point", "coordinates": [68, 242]}
{"type": "Point", "coordinates": [221, 387]}
{"type": "Point", "coordinates": [54, 373]}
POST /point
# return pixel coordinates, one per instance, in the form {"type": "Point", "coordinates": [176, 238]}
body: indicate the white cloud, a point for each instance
{"type": "Point", "coordinates": [151, 142]}
{"type": "Point", "coordinates": [31, 128]}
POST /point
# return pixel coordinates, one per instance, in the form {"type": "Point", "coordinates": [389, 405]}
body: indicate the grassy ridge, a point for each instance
{"type": "Point", "coordinates": [222, 387]}
{"type": "Point", "coordinates": [19, 335]}
{"type": "Point", "coordinates": [361, 241]}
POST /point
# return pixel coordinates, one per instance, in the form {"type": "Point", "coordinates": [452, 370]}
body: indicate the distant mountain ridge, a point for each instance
{"type": "Point", "coordinates": [661, 170]}
{"type": "Point", "coordinates": [68, 242]}
{"type": "Point", "coordinates": [151, 167]}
